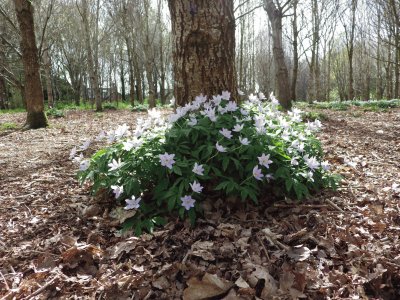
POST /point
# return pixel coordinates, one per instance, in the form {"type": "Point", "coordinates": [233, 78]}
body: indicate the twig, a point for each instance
{"type": "Point", "coordinates": [334, 205]}
{"type": "Point", "coordinates": [263, 246]}
{"type": "Point", "coordinates": [301, 205]}
{"type": "Point", "coordinates": [10, 295]}
{"type": "Point", "coordinates": [270, 236]}
{"type": "Point", "coordinates": [5, 281]}
{"type": "Point", "coordinates": [186, 256]}
{"type": "Point", "coordinates": [38, 291]}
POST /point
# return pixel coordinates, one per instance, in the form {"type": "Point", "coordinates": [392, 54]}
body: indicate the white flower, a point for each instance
{"type": "Point", "coordinates": [220, 148]}
{"type": "Point", "coordinates": [244, 141]}
{"type": "Point", "coordinates": [154, 113]}
{"type": "Point", "coordinates": [121, 131]}
{"type": "Point", "coordinates": [226, 133]}
{"type": "Point", "coordinates": [187, 202]}
{"type": "Point", "coordinates": [310, 176]}
{"type": "Point", "coordinates": [264, 160]}
{"type": "Point", "coordinates": [167, 160]}
{"type": "Point", "coordinates": [117, 190]}
{"type": "Point", "coordinates": [192, 122]}
{"type": "Point", "coordinates": [325, 165]}
{"type": "Point", "coordinates": [72, 153]}
{"type": "Point", "coordinates": [200, 98]}
{"type": "Point", "coordinates": [274, 101]}
{"type": "Point", "coordinates": [101, 136]}
{"type": "Point", "coordinates": [129, 144]}
{"type": "Point", "coordinates": [269, 177]}
{"type": "Point", "coordinates": [222, 110]}
{"type": "Point", "coordinates": [257, 173]}
{"type": "Point", "coordinates": [238, 127]}
{"type": "Point", "coordinates": [294, 161]}
{"type": "Point", "coordinates": [261, 96]}
{"type": "Point", "coordinates": [231, 106]}
{"type": "Point", "coordinates": [110, 136]}
{"type": "Point", "coordinates": [115, 165]}
{"type": "Point", "coordinates": [226, 95]}
{"type": "Point", "coordinates": [244, 112]}
{"type": "Point", "coordinates": [196, 187]}
{"type": "Point", "coordinates": [84, 165]}
{"type": "Point", "coordinates": [311, 162]}
{"type": "Point", "coordinates": [85, 145]}
{"type": "Point", "coordinates": [132, 203]}
{"type": "Point", "coordinates": [253, 98]}
{"type": "Point", "coordinates": [198, 169]}
{"type": "Point", "coordinates": [217, 100]}
{"type": "Point", "coordinates": [78, 159]}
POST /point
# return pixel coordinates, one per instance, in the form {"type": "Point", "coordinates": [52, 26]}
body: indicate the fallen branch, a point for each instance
{"type": "Point", "coordinates": [38, 291]}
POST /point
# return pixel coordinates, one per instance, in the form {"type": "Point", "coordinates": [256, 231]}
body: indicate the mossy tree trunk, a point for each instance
{"type": "Point", "coordinates": [204, 48]}
{"type": "Point", "coordinates": [36, 117]}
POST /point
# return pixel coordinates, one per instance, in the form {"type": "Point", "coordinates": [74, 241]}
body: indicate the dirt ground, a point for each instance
{"type": "Point", "coordinates": [59, 242]}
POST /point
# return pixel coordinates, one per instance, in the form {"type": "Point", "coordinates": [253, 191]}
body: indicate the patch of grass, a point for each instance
{"type": "Point", "coordinates": [140, 107]}
{"type": "Point", "coordinates": [13, 110]}
{"type": "Point", "coordinates": [314, 115]}
{"type": "Point", "coordinates": [55, 113]}
{"type": "Point", "coordinates": [8, 126]}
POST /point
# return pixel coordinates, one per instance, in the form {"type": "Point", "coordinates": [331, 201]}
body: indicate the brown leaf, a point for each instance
{"type": "Point", "coordinates": [209, 286]}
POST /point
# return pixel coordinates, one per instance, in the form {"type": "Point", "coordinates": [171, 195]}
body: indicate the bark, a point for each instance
{"type": "Point", "coordinates": [36, 117]}
{"type": "Point", "coordinates": [275, 16]}
{"type": "Point", "coordinates": [149, 63]}
{"type": "Point", "coordinates": [47, 71]}
{"type": "Point", "coordinates": [350, 49]}
{"type": "Point", "coordinates": [92, 65]}
{"type": "Point", "coordinates": [204, 48]}
{"type": "Point", "coordinates": [122, 75]}
{"type": "Point", "coordinates": [295, 53]}
{"type": "Point", "coordinates": [3, 93]}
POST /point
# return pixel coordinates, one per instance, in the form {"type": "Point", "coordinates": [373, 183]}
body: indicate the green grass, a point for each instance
{"type": "Point", "coordinates": [55, 113]}
{"type": "Point", "coordinates": [11, 111]}
{"type": "Point", "coordinates": [314, 115]}
{"type": "Point", "coordinates": [370, 105]}
{"type": "Point", "coordinates": [8, 126]}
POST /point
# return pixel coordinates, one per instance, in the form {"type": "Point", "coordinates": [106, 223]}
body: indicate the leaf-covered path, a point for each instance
{"type": "Point", "coordinates": [59, 242]}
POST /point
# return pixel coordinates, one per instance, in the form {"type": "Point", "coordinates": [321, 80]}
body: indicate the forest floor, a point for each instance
{"type": "Point", "coordinates": [59, 242]}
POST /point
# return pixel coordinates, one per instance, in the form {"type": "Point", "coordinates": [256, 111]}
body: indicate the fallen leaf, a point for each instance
{"type": "Point", "coordinates": [209, 286]}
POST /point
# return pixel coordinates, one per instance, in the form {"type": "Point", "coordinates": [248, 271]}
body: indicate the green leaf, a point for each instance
{"type": "Point", "coordinates": [192, 216]}
{"type": "Point", "coordinates": [177, 170]}
{"type": "Point", "coordinates": [171, 203]}
{"type": "Point", "coordinates": [160, 221]}
{"type": "Point", "coordinates": [222, 185]}
{"type": "Point", "coordinates": [225, 163]}
{"type": "Point", "coordinates": [288, 184]}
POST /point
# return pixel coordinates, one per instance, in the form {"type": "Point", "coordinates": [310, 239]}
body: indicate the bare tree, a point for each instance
{"type": "Point", "coordinates": [91, 55]}
{"type": "Point", "coordinates": [36, 117]}
{"type": "Point", "coordinates": [276, 12]}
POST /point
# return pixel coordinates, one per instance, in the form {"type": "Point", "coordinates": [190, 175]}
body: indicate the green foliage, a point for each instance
{"type": "Point", "coordinates": [172, 166]}
{"type": "Point", "coordinates": [140, 107]}
{"type": "Point", "coordinates": [8, 126]}
{"type": "Point", "coordinates": [55, 113]}
{"type": "Point", "coordinates": [314, 115]}
{"type": "Point", "coordinates": [370, 105]}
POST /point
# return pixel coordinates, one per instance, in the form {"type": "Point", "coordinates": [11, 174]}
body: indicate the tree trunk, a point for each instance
{"type": "Point", "coordinates": [281, 72]}
{"type": "Point", "coordinates": [204, 48]}
{"type": "Point", "coordinates": [47, 72]}
{"type": "Point", "coordinates": [36, 117]}
{"type": "Point", "coordinates": [93, 76]}
{"type": "Point", "coordinates": [295, 53]}
{"type": "Point", "coordinates": [350, 49]}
